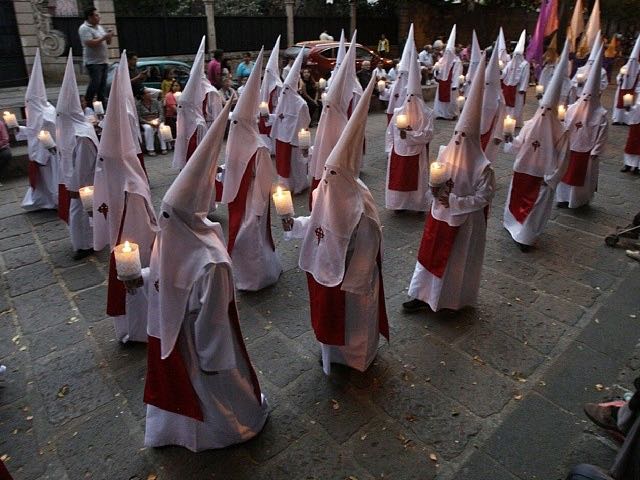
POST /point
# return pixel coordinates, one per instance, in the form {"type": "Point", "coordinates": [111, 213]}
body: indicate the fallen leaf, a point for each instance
{"type": "Point", "coordinates": [22, 349]}
{"type": "Point", "coordinates": [599, 387]}
{"type": "Point", "coordinates": [30, 417]}
{"type": "Point", "coordinates": [63, 391]}
{"type": "Point", "coordinates": [433, 457]}
{"type": "Point", "coordinates": [363, 436]}
{"type": "Point", "coordinates": [335, 405]}
{"type": "Point", "coordinates": [518, 397]}
{"type": "Point", "coordinates": [410, 418]}
{"type": "Point", "coordinates": [152, 476]}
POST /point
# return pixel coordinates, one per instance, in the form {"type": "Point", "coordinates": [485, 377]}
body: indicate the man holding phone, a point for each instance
{"type": "Point", "coordinates": [137, 77]}
{"type": "Point", "coordinates": [95, 53]}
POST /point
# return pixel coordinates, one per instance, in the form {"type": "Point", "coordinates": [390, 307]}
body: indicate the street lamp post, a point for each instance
{"type": "Point", "coordinates": [288, 5]}
{"type": "Point", "coordinates": [352, 14]}
{"type": "Point", "coordinates": [211, 24]}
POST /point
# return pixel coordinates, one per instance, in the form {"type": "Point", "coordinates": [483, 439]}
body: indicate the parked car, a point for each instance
{"type": "Point", "coordinates": [320, 56]}
{"type": "Point", "coordinates": [156, 67]}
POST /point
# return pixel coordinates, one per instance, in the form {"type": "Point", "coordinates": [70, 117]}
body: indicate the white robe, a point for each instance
{"type": "Point", "coordinates": [576, 90]}
{"type": "Point", "coordinates": [578, 196]}
{"type": "Point", "coordinates": [45, 195]}
{"type": "Point", "coordinates": [633, 119]}
{"type": "Point", "coordinates": [207, 343]}
{"type": "Point", "coordinates": [619, 115]}
{"type": "Point", "coordinates": [497, 133]}
{"type": "Point", "coordinates": [361, 311]}
{"type": "Point", "coordinates": [460, 281]}
{"type": "Point", "coordinates": [521, 83]}
{"type": "Point", "coordinates": [84, 166]}
{"type": "Point", "coordinates": [449, 110]}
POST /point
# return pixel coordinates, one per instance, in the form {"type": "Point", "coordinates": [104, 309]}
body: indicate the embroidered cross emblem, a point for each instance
{"type": "Point", "coordinates": [103, 209]}
{"type": "Point", "coordinates": [579, 125]}
{"type": "Point", "coordinates": [320, 234]}
{"type": "Point", "coordinates": [535, 145]}
{"type": "Point", "coordinates": [281, 116]}
{"type": "Point", "coordinates": [156, 285]}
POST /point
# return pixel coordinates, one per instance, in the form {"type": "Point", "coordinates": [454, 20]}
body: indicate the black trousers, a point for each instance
{"type": "Point", "coordinates": [97, 83]}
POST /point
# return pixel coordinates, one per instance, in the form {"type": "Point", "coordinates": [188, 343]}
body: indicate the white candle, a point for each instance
{"type": "Point", "coordinates": [460, 101]}
{"type": "Point", "coordinates": [623, 70]}
{"type": "Point", "coordinates": [509, 125]}
{"type": "Point", "coordinates": [627, 99]}
{"type": "Point", "coordinates": [580, 78]}
{"type": "Point", "coordinates": [264, 108]}
{"type": "Point", "coordinates": [501, 64]}
{"type": "Point", "coordinates": [461, 79]}
{"type": "Point", "coordinates": [381, 85]}
{"type": "Point", "coordinates": [402, 121]}
{"type": "Point", "coordinates": [283, 202]}
{"type": "Point", "coordinates": [438, 173]}
{"type": "Point", "coordinates": [562, 111]}
{"type": "Point", "coordinates": [128, 261]}
{"type": "Point", "coordinates": [539, 89]}
{"type": "Point", "coordinates": [322, 83]}
{"type": "Point", "coordinates": [304, 138]}
{"type": "Point", "coordinates": [165, 133]}
{"type": "Point", "coordinates": [98, 108]}
{"type": "Point", "coordinates": [45, 138]}
{"type": "Point", "coordinates": [155, 122]}
{"type": "Point", "coordinates": [86, 197]}
{"type": "Point", "coordinates": [10, 119]}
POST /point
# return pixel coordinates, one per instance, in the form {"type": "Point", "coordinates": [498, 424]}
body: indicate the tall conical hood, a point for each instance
{"type": "Point", "coordinates": [69, 96]}
{"type": "Point", "coordinates": [552, 93]}
{"type": "Point", "coordinates": [293, 77]}
{"type": "Point", "coordinates": [355, 83]}
{"type": "Point", "coordinates": [576, 26]}
{"type": "Point", "coordinates": [635, 53]}
{"type": "Point", "coordinates": [36, 91]}
{"type": "Point", "coordinates": [414, 85]}
{"type": "Point", "coordinates": [594, 51]}
{"type": "Point", "coordinates": [502, 47]}
{"type": "Point", "coordinates": [471, 116]}
{"type": "Point", "coordinates": [407, 52]}
{"type": "Point", "coordinates": [346, 154]}
{"type": "Point", "coordinates": [492, 72]}
{"type": "Point", "coordinates": [492, 92]}
{"type": "Point", "coordinates": [193, 191]}
{"type": "Point", "coordinates": [519, 50]}
{"type": "Point", "coordinates": [272, 63]}
{"type": "Point", "coordinates": [248, 102]}
{"type": "Point", "coordinates": [339, 93]}
{"type": "Point", "coordinates": [476, 53]}
{"type": "Point", "coordinates": [193, 90]}
{"type": "Point", "coordinates": [592, 32]}
{"type": "Point", "coordinates": [451, 43]}
{"type": "Point", "coordinates": [271, 78]}
{"type": "Point", "coordinates": [342, 50]}
{"type": "Point", "coordinates": [592, 86]}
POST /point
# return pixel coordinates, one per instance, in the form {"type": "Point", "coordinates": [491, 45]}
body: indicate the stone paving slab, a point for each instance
{"type": "Point", "coordinates": [493, 391]}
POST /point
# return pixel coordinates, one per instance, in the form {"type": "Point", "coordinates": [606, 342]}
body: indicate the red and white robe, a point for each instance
{"type": "Point", "coordinates": [445, 103]}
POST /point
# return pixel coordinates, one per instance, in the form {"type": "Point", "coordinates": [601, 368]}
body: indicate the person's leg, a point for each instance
{"type": "Point", "coordinates": [94, 81]}
{"type": "Point", "coordinates": [163, 144]}
{"type": "Point", "coordinates": [102, 85]}
{"type": "Point", "coordinates": [148, 134]}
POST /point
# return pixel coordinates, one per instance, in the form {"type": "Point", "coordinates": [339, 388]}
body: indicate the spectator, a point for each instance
{"type": "Point", "coordinates": [226, 69]}
{"type": "Point", "coordinates": [151, 116]}
{"type": "Point", "coordinates": [137, 77]}
{"type": "Point", "coordinates": [425, 57]}
{"type": "Point", "coordinates": [228, 92]}
{"type": "Point", "coordinates": [5, 158]}
{"type": "Point", "coordinates": [364, 75]}
{"type": "Point", "coordinates": [95, 54]}
{"type": "Point", "coordinates": [287, 68]}
{"type": "Point", "coordinates": [167, 81]}
{"type": "Point", "coordinates": [310, 93]}
{"type": "Point", "coordinates": [380, 72]}
{"type": "Point", "coordinates": [214, 69]}
{"type": "Point", "coordinates": [393, 72]}
{"type": "Point", "coordinates": [383, 46]}
{"type": "Point", "coordinates": [243, 70]}
{"type": "Point", "coordinates": [171, 107]}
{"type": "Point", "coordinates": [325, 37]}
{"type": "Point", "coordinates": [243, 82]}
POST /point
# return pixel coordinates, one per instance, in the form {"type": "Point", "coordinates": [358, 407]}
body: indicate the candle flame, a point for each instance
{"type": "Point", "coordinates": [6, 113]}
{"type": "Point", "coordinates": [127, 247]}
{"type": "Point", "coordinates": [279, 190]}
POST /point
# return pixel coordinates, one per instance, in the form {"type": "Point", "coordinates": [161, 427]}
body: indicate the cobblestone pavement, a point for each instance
{"type": "Point", "coordinates": [491, 392]}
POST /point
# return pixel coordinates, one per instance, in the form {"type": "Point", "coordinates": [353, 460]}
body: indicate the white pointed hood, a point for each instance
{"type": "Point", "coordinates": [399, 86]}
{"type": "Point", "coordinates": [271, 81]}
{"type": "Point", "coordinates": [448, 58]}
{"type": "Point", "coordinates": [517, 66]}
{"type": "Point", "coordinates": [293, 77]}
{"type": "Point", "coordinates": [244, 138]}
{"type": "Point", "coordinates": [71, 122]}
{"type": "Point", "coordinates": [340, 201]}
{"type": "Point", "coordinates": [184, 227]}
{"type": "Point", "coordinates": [356, 88]}
{"type": "Point", "coordinates": [519, 50]}
{"type": "Point", "coordinates": [587, 43]}
{"type": "Point", "coordinates": [593, 54]}
{"type": "Point", "coordinates": [37, 107]}
{"type": "Point", "coordinates": [492, 96]}
{"type": "Point", "coordinates": [632, 66]}
{"type": "Point", "coordinates": [464, 154]}
{"type": "Point", "coordinates": [451, 43]}
{"type": "Point", "coordinates": [118, 170]}
{"type": "Point", "coordinates": [476, 53]}
{"type": "Point", "coordinates": [543, 138]}
{"type": "Point", "coordinates": [503, 55]}
{"type": "Point", "coordinates": [342, 50]}
{"type": "Point", "coordinates": [191, 118]}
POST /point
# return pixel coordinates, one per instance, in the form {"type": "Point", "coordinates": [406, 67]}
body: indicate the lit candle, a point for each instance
{"type": "Point", "coordinates": [539, 89]}
{"type": "Point", "coordinates": [460, 101]}
{"type": "Point", "coordinates": [86, 197]}
{"type": "Point", "coordinates": [627, 99]}
{"type": "Point", "coordinates": [562, 111]}
{"type": "Point", "coordinates": [323, 97]}
{"type": "Point", "coordinates": [381, 85]}
{"type": "Point", "coordinates": [623, 70]}
{"type": "Point", "coordinates": [98, 108]}
{"type": "Point", "coordinates": [322, 83]}
{"type": "Point", "coordinates": [45, 138]}
{"type": "Point", "coordinates": [461, 79]}
{"type": "Point", "coordinates": [580, 78]}
{"type": "Point", "coordinates": [10, 119]}
{"type": "Point", "coordinates": [438, 173]}
{"type": "Point", "coordinates": [165, 133]}
{"type": "Point", "coordinates": [304, 138]}
{"type": "Point", "coordinates": [283, 202]}
{"type": "Point", "coordinates": [155, 122]}
{"type": "Point", "coordinates": [402, 121]}
{"type": "Point", "coordinates": [509, 125]}
{"type": "Point", "coordinates": [264, 109]}
{"type": "Point", "coordinates": [501, 64]}
{"type": "Point", "coordinates": [128, 261]}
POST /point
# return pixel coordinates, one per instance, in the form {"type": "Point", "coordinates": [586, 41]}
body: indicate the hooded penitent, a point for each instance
{"type": "Point", "coordinates": [271, 86]}
{"type": "Point", "coordinates": [342, 51]}
{"type": "Point", "coordinates": [503, 55]}
{"type": "Point", "coordinates": [399, 86]}
{"type": "Point", "coordinates": [587, 43]}
{"type": "Point", "coordinates": [515, 68]}
{"type": "Point", "coordinates": [192, 124]}
{"type": "Point", "coordinates": [476, 53]}
{"type": "Point", "coordinates": [492, 103]}
{"type": "Point", "coordinates": [122, 206]}
{"type": "Point", "coordinates": [448, 57]}
{"type": "Point", "coordinates": [629, 80]}
{"type": "Point", "coordinates": [585, 70]}
{"type": "Point", "coordinates": [464, 156]}
{"type": "Point", "coordinates": [333, 119]}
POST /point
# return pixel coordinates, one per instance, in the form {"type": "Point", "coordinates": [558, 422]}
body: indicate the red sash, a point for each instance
{"type": "Point", "coordinates": [263, 128]}
{"type": "Point", "coordinates": [389, 117]}
{"type": "Point", "coordinates": [633, 140]}
{"type": "Point", "coordinates": [444, 88]}
{"type": "Point", "coordinates": [192, 145]}
{"type": "Point", "coordinates": [314, 184]}
{"type": "Point", "coordinates": [33, 170]}
{"type": "Point", "coordinates": [116, 291]}
{"type": "Point", "coordinates": [525, 189]}
{"type": "Point", "coordinates": [219, 187]}
{"type": "Point", "coordinates": [64, 203]}
{"type": "Point", "coordinates": [328, 310]}
{"type": "Point", "coordinates": [404, 172]}
{"type": "Point", "coordinates": [168, 385]}
{"type": "Point", "coordinates": [437, 241]}
{"type": "Point", "coordinates": [283, 158]}
{"type": "Point", "coordinates": [4, 473]}
{"type": "Point", "coordinates": [577, 171]}
{"type": "Point", "coordinates": [239, 204]}
{"type": "Point", "coordinates": [485, 137]}
{"type": "Point", "coordinates": [509, 92]}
